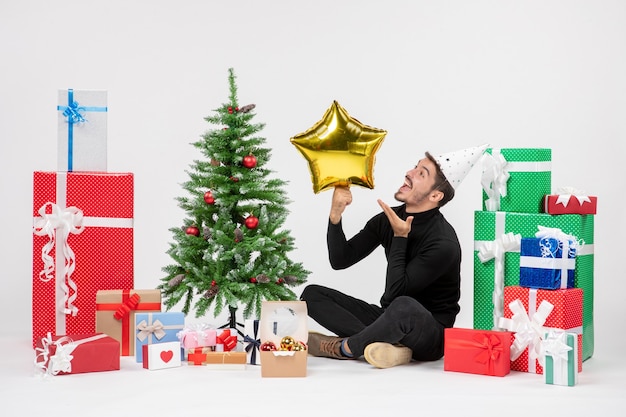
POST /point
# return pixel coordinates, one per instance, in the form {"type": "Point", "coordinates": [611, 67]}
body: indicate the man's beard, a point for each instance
{"type": "Point", "coordinates": [420, 198]}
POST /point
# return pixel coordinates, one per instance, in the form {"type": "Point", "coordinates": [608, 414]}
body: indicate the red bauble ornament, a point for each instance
{"type": "Point", "coordinates": [253, 280]}
{"type": "Point", "coordinates": [208, 198]}
{"type": "Point", "coordinates": [249, 161]}
{"type": "Point", "coordinates": [234, 179]}
{"type": "Point", "coordinates": [280, 281]}
{"type": "Point", "coordinates": [251, 222]}
{"type": "Point", "coordinates": [230, 110]}
{"type": "Point", "coordinates": [268, 346]}
{"type": "Point", "coordinates": [213, 283]}
{"type": "Point", "coordinates": [192, 230]}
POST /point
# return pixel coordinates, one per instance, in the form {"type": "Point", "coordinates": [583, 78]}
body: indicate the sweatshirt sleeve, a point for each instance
{"type": "Point", "coordinates": [344, 253]}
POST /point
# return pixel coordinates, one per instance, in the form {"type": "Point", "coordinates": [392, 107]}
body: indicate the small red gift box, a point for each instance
{"type": "Point", "coordinates": [473, 351]}
{"type": "Point", "coordinates": [75, 354]}
{"type": "Point", "coordinates": [529, 313]}
{"type": "Point", "coordinates": [82, 243]}
{"type": "Point", "coordinates": [569, 203]}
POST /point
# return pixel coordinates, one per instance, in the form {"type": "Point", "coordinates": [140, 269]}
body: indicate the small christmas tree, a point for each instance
{"type": "Point", "coordinates": [231, 250]}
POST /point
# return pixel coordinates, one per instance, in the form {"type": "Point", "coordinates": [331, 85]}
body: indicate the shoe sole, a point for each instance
{"type": "Point", "coordinates": [385, 355]}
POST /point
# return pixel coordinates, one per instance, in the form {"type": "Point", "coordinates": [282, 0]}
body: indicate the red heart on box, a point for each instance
{"type": "Point", "coordinates": [167, 356]}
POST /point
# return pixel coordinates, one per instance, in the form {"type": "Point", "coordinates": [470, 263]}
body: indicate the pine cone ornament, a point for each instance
{"type": "Point", "coordinates": [290, 279]}
{"type": "Point", "coordinates": [211, 292]}
{"type": "Point", "coordinates": [206, 233]}
{"type": "Point", "coordinates": [247, 108]}
{"type": "Point", "coordinates": [238, 235]}
{"type": "Point", "coordinates": [176, 280]}
{"type": "Point", "coordinates": [262, 279]}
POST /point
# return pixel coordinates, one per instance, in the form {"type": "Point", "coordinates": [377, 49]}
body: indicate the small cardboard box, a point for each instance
{"type": "Point", "coordinates": [226, 360]}
{"type": "Point", "coordinates": [280, 319]}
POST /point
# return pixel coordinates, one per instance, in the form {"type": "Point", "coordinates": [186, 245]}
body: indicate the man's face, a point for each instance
{"type": "Point", "coordinates": [418, 183]}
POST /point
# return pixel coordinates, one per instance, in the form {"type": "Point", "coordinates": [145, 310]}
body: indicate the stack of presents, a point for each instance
{"type": "Point", "coordinates": [86, 313]}
{"type": "Point", "coordinates": [533, 274]}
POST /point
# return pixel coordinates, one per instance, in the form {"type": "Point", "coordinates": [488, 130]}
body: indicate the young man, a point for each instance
{"type": "Point", "coordinates": [422, 283]}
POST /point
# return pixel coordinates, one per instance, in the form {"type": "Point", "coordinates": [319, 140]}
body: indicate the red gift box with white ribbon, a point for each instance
{"type": "Point", "coordinates": [530, 313]}
{"type": "Point", "coordinates": [568, 200]}
{"type": "Point", "coordinates": [82, 243]}
{"type": "Point", "coordinates": [75, 354]}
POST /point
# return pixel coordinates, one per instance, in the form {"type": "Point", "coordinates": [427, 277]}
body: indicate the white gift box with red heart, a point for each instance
{"type": "Point", "coordinates": [161, 355]}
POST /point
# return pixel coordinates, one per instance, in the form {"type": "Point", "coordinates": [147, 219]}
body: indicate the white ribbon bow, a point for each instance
{"type": "Point", "coordinates": [494, 179]}
{"type": "Point", "coordinates": [61, 361]}
{"type": "Point", "coordinates": [569, 244]}
{"type": "Point", "coordinates": [146, 330]}
{"type": "Point", "coordinates": [495, 250]}
{"type": "Point", "coordinates": [566, 193]}
{"type": "Point", "coordinates": [529, 331]}
{"type": "Point", "coordinates": [57, 226]}
{"type": "Point", "coordinates": [555, 345]}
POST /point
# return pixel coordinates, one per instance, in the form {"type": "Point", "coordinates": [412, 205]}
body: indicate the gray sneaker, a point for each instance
{"type": "Point", "coordinates": [325, 346]}
{"type": "Point", "coordinates": [386, 355]}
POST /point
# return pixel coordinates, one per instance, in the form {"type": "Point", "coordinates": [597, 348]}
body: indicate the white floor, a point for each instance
{"type": "Point", "coordinates": [331, 388]}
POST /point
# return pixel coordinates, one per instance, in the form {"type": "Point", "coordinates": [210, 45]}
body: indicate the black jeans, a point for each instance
{"type": "Point", "coordinates": [405, 321]}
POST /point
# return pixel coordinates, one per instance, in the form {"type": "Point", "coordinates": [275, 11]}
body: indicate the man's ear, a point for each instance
{"type": "Point", "coordinates": [436, 196]}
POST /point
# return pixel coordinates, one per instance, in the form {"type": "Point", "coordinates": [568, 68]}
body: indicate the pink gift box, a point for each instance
{"type": "Point", "coordinates": [199, 336]}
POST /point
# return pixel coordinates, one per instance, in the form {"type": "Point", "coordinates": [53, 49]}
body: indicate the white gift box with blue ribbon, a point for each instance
{"type": "Point", "coordinates": [548, 261]}
{"type": "Point", "coordinates": [82, 130]}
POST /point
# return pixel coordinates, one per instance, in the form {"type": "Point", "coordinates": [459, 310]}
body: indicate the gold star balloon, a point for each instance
{"type": "Point", "coordinates": [340, 150]}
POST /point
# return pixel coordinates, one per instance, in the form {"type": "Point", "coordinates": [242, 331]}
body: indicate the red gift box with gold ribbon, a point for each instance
{"type": "Point", "coordinates": [82, 243]}
{"type": "Point", "coordinates": [474, 351]}
{"type": "Point", "coordinates": [115, 314]}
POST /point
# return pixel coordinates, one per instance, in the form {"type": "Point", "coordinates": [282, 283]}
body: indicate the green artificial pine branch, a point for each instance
{"type": "Point", "coordinates": [225, 263]}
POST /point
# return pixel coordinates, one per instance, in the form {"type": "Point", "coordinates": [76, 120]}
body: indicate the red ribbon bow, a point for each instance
{"type": "Point", "coordinates": [491, 349]}
{"type": "Point", "coordinates": [229, 341]}
{"type": "Point", "coordinates": [126, 307]}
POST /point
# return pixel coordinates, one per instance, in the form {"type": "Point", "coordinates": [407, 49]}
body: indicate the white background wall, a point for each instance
{"type": "Point", "coordinates": [437, 75]}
